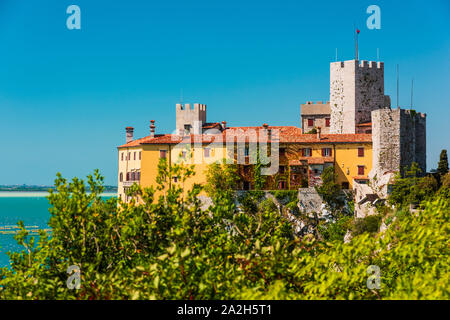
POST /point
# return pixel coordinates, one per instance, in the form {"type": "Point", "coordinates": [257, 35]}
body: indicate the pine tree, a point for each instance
{"type": "Point", "coordinates": [443, 163]}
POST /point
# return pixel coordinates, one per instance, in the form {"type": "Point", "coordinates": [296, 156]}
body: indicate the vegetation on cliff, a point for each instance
{"type": "Point", "coordinates": [167, 247]}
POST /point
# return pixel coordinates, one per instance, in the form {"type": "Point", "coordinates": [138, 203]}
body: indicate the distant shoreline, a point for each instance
{"type": "Point", "coordinates": [33, 188]}
{"type": "Point", "coordinates": [39, 194]}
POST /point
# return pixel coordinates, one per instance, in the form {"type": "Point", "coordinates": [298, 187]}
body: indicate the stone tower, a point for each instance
{"type": "Point", "coordinates": [399, 139]}
{"type": "Point", "coordinates": [356, 88]}
{"type": "Point", "coordinates": [188, 120]}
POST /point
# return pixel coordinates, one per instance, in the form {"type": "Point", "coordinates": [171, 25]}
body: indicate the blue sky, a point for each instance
{"type": "Point", "coordinates": [67, 95]}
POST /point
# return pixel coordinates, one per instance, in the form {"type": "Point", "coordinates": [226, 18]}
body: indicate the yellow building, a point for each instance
{"type": "Point", "coordinates": [293, 159]}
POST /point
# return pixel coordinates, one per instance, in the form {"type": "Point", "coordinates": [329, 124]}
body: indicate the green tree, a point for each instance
{"type": "Point", "coordinates": [331, 191]}
{"type": "Point", "coordinates": [222, 180]}
{"type": "Point", "coordinates": [167, 247]}
{"type": "Point", "coordinates": [443, 163]}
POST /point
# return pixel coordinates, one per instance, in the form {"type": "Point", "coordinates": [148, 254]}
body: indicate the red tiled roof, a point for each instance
{"type": "Point", "coordinates": [286, 134]}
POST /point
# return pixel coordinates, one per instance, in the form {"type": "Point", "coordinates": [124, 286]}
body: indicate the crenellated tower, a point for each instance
{"type": "Point", "coordinates": [190, 120]}
{"type": "Point", "coordinates": [356, 89]}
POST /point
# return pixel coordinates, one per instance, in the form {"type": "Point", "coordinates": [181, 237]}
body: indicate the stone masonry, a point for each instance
{"type": "Point", "coordinates": [190, 120]}
{"type": "Point", "coordinates": [399, 139]}
{"type": "Point", "coordinates": [356, 88]}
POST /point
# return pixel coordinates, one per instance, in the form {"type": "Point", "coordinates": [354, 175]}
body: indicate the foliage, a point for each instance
{"type": "Point", "coordinates": [162, 245]}
{"type": "Point", "coordinates": [369, 224]}
{"type": "Point", "coordinates": [312, 131]}
{"type": "Point", "coordinates": [410, 188]}
{"type": "Point", "coordinates": [259, 180]}
{"type": "Point", "coordinates": [222, 180]}
{"type": "Point", "coordinates": [331, 191]}
{"type": "Point", "coordinates": [335, 230]}
{"type": "Point", "coordinates": [443, 163]}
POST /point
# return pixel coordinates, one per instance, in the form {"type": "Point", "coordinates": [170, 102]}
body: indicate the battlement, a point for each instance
{"type": "Point", "coordinates": [190, 119]}
{"type": "Point", "coordinates": [187, 107]}
{"type": "Point", "coordinates": [360, 63]}
{"type": "Point", "coordinates": [413, 113]}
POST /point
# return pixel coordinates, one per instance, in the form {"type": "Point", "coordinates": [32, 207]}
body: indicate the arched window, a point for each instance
{"type": "Point", "coordinates": [121, 177]}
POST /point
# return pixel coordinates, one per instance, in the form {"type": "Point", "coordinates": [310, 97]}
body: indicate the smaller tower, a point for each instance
{"type": "Point", "coordinates": [190, 120]}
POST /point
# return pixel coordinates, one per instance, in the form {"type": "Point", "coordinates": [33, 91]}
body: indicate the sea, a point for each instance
{"type": "Point", "coordinates": [31, 208]}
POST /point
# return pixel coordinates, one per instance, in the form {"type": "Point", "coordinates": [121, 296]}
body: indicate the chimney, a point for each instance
{"type": "Point", "coordinates": [318, 133]}
{"type": "Point", "coordinates": [129, 133]}
{"type": "Point", "coordinates": [152, 128]}
{"type": "Point", "coordinates": [224, 125]}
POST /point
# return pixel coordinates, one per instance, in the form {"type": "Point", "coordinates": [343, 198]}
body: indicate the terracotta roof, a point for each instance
{"type": "Point", "coordinates": [211, 125]}
{"type": "Point", "coordinates": [313, 109]}
{"type": "Point", "coordinates": [286, 134]}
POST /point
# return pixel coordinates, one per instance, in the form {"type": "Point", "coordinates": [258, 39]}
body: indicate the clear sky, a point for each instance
{"type": "Point", "coordinates": [67, 95]}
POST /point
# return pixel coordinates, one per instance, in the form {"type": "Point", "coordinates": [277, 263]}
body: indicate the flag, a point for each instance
{"type": "Point", "coordinates": [357, 31]}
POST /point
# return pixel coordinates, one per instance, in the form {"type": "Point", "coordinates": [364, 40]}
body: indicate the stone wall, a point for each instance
{"type": "Point", "coordinates": [195, 117]}
{"type": "Point", "coordinates": [356, 88]}
{"type": "Point", "coordinates": [399, 139]}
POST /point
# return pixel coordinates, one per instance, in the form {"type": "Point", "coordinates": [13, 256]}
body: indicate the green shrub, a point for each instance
{"type": "Point", "coordinates": [369, 224]}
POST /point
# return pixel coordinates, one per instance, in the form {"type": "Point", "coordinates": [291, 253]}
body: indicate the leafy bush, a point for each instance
{"type": "Point", "coordinates": [164, 246]}
{"type": "Point", "coordinates": [369, 224]}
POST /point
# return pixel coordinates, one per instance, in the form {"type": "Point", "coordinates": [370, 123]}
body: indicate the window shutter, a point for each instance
{"type": "Point", "coordinates": [331, 152]}
{"type": "Point", "coordinates": [323, 152]}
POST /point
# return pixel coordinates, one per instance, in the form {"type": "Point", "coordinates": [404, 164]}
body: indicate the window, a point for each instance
{"type": "Point", "coordinates": [361, 152]}
{"type": "Point", "coordinates": [129, 155]}
{"type": "Point", "coordinates": [139, 155]}
{"type": "Point", "coordinates": [121, 176]}
{"type": "Point", "coordinates": [187, 129]}
{"type": "Point", "coordinates": [134, 155]}
{"type": "Point", "coordinates": [246, 151]}
{"type": "Point", "coordinates": [281, 169]}
{"type": "Point", "coordinates": [281, 184]}
{"type": "Point", "coordinates": [282, 152]}
{"type": "Point", "coordinates": [175, 179]}
{"type": "Point", "coordinates": [246, 185]}
{"type": "Point", "coordinates": [183, 155]}
{"type": "Point", "coordinates": [138, 174]}
{"type": "Point", "coordinates": [121, 156]}
{"type": "Point", "coordinates": [162, 154]}
{"type": "Point", "coordinates": [132, 176]}
{"type": "Point", "coordinates": [360, 170]}
{"type": "Point", "coordinates": [128, 176]}
{"type": "Point", "coordinates": [327, 122]}
{"type": "Point", "coordinates": [306, 152]}
{"type": "Point", "coordinates": [326, 152]}
{"type": "Point", "coordinates": [206, 152]}
{"type": "Point", "coordinates": [246, 169]}
{"type": "Point", "coordinates": [310, 122]}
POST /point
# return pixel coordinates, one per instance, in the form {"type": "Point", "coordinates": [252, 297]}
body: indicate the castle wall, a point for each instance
{"type": "Point", "coordinates": [399, 139]}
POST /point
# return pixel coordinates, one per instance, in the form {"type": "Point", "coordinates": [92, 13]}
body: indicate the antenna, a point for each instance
{"type": "Point", "coordinates": [412, 90]}
{"type": "Point", "coordinates": [181, 96]}
{"type": "Point", "coordinates": [397, 85]}
{"type": "Point", "coordinates": [378, 54]}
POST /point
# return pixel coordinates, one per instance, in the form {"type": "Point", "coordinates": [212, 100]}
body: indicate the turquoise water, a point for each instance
{"type": "Point", "coordinates": [31, 208]}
